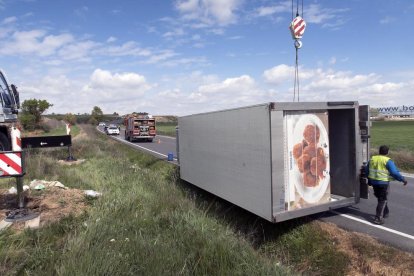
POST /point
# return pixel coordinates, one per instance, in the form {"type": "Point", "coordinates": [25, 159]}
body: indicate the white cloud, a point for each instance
{"type": "Point", "coordinates": [329, 85]}
{"type": "Point", "coordinates": [329, 18]}
{"type": "Point", "coordinates": [129, 48]}
{"type": "Point", "coordinates": [105, 86]}
{"type": "Point", "coordinates": [197, 92]}
{"type": "Point", "coordinates": [161, 56]}
{"type": "Point", "coordinates": [209, 12]}
{"type": "Point", "coordinates": [340, 80]}
{"type": "Point", "coordinates": [229, 93]}
{"type": "Point", "coordinates": [9, 20]}
{"type": "Point", "coordinates": [271, 10]}
{"type": "Point", "coordinates": [313, 13]}
{"type": "Point", "coordinates": [59, 90]}
{"type": "Point", "coordinates": [111, 39]}
{"type": "Point", "coordinates": [34, 42]}
{"type": "Point", "coordinates": [387, 20]}
{"type": "Point", "coordinates": [283, 73]}
{"type": "Point", "coordinates": [171, 94]}
{"type": "Point", "coordinates": [81, 12]}
{"type": "Point", "coordinates": [37, 45]}
{"type": "Point", "coordinates": [174, 33]}
{"type": "Point", "coordinates": [279, 74]}
{"type": "Point", "coordinates": [78, 51]}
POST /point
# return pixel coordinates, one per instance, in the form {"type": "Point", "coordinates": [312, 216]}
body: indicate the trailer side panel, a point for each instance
{"type": "Point", "coordinates": [228, 154]}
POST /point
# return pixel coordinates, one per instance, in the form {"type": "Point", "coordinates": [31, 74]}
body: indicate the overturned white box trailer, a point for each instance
{"type": "Point", "coordinates": [278, 160]}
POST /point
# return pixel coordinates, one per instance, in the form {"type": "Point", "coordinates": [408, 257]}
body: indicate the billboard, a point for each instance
{"type": "Point", "coordinates": [396, 110]}
{"type": "Point", "coordinates": [307, 180]}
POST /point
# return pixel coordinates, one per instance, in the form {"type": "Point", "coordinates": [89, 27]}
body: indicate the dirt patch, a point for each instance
{"type": "Point", "coordinates": [368, 256]}
{"type": "Point", "coordinates": [52, 204]}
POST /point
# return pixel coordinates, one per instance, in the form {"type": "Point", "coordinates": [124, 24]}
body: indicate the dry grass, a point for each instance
{"type": "Point", "coordinates": [367, 255]}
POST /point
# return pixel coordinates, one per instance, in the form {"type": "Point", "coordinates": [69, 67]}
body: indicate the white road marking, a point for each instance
{"type": "Point", "coordinates": [408, 175]}
{"type": "Point", "coordinates": [138, 146]}
{"type": "Point", "coordinates": [376, 226]}
{"type": "Point", "coordinates": [166, 136]}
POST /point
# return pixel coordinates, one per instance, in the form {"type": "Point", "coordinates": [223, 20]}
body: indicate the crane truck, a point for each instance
{"type": "Point", "coordinates": [10, 102]}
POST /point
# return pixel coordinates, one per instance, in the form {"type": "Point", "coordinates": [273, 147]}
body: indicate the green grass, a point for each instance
{"type": "Point", "coordinates": [399, 136]}
{"type": "Point", "coordinates": [62, 131]}
{"type": "Point", "coordinates": [166, 129]}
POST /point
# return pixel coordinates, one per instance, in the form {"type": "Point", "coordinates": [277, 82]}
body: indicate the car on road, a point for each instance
{"type": "Point", "coordinates": [102, 124]}
{"type": "Point", "coordinates": [112, 130]}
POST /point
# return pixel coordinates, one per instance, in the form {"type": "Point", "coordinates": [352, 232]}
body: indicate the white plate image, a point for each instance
{"type": "Point", "coordinates": [311, 194]}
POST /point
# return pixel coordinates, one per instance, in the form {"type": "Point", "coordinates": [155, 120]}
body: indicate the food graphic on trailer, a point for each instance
{"type": "Point", "coordinates": [308, 153]}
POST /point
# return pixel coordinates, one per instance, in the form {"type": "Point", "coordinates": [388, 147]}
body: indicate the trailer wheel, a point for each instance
{"type": "Point", "coordinates": [4, 142]}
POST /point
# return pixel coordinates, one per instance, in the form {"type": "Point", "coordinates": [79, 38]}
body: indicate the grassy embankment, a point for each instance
{"type": "Point", "coordinates": [155, 225]}
{"type": "Point", "coordinates": [149, 223]}
{"type": "Point", "coordinates": [399, 136]}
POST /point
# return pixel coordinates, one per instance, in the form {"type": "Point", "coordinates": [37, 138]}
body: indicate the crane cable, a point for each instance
{"type": "Point", "coordinates": [297, 27]}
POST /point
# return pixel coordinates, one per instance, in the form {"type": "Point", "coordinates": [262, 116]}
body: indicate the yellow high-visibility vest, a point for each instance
{"type": "Point", "coordinates": [378, 169]}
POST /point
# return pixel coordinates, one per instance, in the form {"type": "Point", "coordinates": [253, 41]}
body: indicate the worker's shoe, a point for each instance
{"type": "Point", "coordinates": [378, 221]}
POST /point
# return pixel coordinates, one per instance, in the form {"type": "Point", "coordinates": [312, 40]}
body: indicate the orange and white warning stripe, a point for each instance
{"type": "Point", "coordinates": [68, 129]}
{"type": "Point", "coordinates": [10, 163]}
{"type": "Point", "coordinates": [16, 139]}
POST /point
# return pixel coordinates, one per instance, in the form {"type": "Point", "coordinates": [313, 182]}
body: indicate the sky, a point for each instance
{"type": "Point", "coordinates": [182, 57]}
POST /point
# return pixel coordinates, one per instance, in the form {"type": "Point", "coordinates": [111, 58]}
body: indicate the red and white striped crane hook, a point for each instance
{"type": "Point", "coordinates": [297, 28]}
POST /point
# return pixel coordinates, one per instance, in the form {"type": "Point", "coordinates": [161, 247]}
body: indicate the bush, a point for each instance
{"type": "Point", "coordinates": [28, 121]}
{"type": "Point", "coordinates": [70, 118]}
{"type": "Point", "coordinates": [93, 121]}
{"type": "Point", "coordinates": [45, 127]}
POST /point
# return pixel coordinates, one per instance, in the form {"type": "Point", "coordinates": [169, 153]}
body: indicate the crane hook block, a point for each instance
{"type": "Point", "coordinates": [298, 44]}
{"type": "Point", "coordinates": [297, 27]}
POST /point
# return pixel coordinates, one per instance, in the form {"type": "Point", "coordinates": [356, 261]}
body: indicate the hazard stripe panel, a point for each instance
{"type": "Point", "coordinates": [11, 164]}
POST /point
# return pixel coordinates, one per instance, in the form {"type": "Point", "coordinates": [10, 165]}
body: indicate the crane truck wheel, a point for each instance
{"type": "Point", "coordinates": [4, 142]}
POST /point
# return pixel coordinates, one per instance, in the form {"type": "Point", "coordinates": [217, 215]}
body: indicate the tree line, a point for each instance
{"type": "Point", "coordinates": [32, 111]}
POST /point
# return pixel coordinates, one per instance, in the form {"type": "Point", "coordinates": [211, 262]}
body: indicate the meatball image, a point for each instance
{"type": "Point", "coordinates": [304, 163]}
{"type": "Point", "coordinates": [310, 150]}
{"type": "Point", "coordinates": [309, 180]}
{"type": "Point", "coordinates": [311, 134]}
{"type": "Point", "coordinates": [298, 149]}
{"type": "Point", "coordinates": [310, 158]}
{"type": "Point", "coordinates": [317, 166]}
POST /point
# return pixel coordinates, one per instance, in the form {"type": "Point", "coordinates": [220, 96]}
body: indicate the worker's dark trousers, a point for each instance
{"type": "Point", "coordinates": [381, 193]}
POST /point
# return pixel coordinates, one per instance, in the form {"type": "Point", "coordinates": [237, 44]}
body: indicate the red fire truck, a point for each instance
{"type": "Point", "coordinates": [139, 126]}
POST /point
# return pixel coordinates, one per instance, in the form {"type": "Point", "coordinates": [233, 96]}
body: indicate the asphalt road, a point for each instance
{"type": "Point", "coordinates": [160, 147]}
{"type": "Point", "coordinates": [398, 229]}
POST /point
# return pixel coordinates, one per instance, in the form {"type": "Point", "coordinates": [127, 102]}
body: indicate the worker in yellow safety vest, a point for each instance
{"type": "Point", "coordinates": [381, 170]}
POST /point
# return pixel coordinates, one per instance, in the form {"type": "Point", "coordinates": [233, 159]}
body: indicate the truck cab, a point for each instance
{"type": "Point", "coordinates": [140, 126]}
